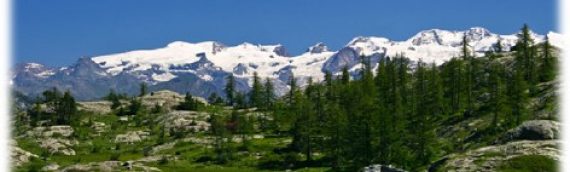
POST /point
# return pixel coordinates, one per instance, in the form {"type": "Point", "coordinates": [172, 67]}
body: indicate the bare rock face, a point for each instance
{"type": "Point", "coordinates": [20, 156]}
{"type": "Point", "coordinates": [131, 137]}
{"type": "Point", "coordinates": [381, 168]}
{"type": "Point", "coordinates": [102, 107]}
{"type": "Point", "coordinates": [163, 98]}
{"type": "Point", "coordinates": [110, 166]}
{"type": "Point", "coordinates": [185, 121]}
{"type": "Point", "coordinates": [99, 127]}
{"type": "Point", "coordinates": [50, 167]}
{"type": "Point", "coordinates": [55, 139]}
{"type": "Point", "coordinates": [535, 137]}
{"type": "Point", "coordinates": [532, 130]}
{"type": "Point", "coordinates": [51, 131]}
{"type": "Point", "coordinates": [58, 145]}
{"type": "Point", "coordinates": [488, 158]}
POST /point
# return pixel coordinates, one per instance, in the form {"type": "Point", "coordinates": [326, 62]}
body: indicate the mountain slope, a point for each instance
{"type": "Point", "coordinates": [200, 68]}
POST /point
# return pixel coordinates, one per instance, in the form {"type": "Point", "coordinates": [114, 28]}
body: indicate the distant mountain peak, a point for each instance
{"type": "Point", "coordinates": [318, 48]}
{"type": "Point", "coordinates": [201, 67]}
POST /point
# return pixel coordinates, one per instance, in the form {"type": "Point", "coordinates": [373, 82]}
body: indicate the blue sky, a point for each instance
{"type": "Point", "coordinates": [58, 32]}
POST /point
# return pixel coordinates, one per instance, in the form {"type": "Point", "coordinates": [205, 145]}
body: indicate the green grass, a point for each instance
{"type": "Point", "coordinates": [529, 163]}
{"type": "Point", "coordinates": [181, 166]}
{"type": "Point", "coordinates": [30, 145]}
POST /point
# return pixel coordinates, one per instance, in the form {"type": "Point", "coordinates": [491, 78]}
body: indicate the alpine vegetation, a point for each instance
{"type": "Point", "coordinates": [440, 101]}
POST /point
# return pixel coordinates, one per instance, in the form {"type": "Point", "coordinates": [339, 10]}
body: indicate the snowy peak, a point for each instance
{"type": "Point", "coordinates": [371, 40]}
{"type": "Point", "coordinates": [556, 39]}
{"type": "Point", "coordinates": [318, 48]}
{"type": "Point", "coordinates": [35, 69]}
{"type": "Point", "coordinates": [201, 67]}
{"type": "Point", "coordinates": [478, 34]}
{"type": "Point", "coordinates": [432, 36]}
{"type": "Point", "coordinates": [450, 38]}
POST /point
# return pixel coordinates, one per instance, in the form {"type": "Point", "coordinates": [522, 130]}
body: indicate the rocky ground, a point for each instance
{"type": "Point", "coordinates": [536, 137]}
{"type": "Point", "coordinates": [105, 142]}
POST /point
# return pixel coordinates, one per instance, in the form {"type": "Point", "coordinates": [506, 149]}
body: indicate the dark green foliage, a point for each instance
{"type": "Point", "coordinates": [256, 94]}
{"type": "Point", "coordinates": [222, 137]}
{"type": "Point", "coordinates": [135, 107]}
{"type": "Point", "coordinates": [157, 109]}
{"type": "Point", "coordinates": [143, 89]}
{"type": "Point", "coordinates": [189, 103]}
{"type": "Point", "coordinates": [115, 99]}
{"type": "Point", "coordinates": [60, 109]}
{"type": "Point", "coordinates": [498, 94]}
{"type": "Point", "coordinates": [405, 115]}
{"type": "Point", "coordinates": [230, 89]}
{"type": "Point", "coordinates": [215, 99]}
{"type": "Point", "coordinates": [240, 101]}
{"type": "Point", "coordinates": [548, 65]}
{"type": "Point", "coordinates": [268, 95]}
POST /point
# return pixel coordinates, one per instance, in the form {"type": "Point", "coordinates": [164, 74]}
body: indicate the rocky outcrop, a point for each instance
{"type": "Point", "coordinates": [163, 98]}
{"type": "Point", "coordinates": [487, 159]}
{"type": "Point", "coordinates": [55, 139]}
{"type": "Point", "coordinates": [20, 156]}
{"type": "Point", "coordinates": [50, 167]}
{"type": "Point", "coordinates": [110, 166]}
{"type": "Point", "coordinates": [99, 127]}
{"type": "Point", "coordinates": [188, 121]}
{"type": "Point", "coordinates": [535, 137]}
{"type": "Point", "coordinates": [102, 107]}
{"type": "Point", "coordinates": [381, 168]}
{"type": "Point", "coordinates": [51, 131]}
{"type": "Point", "coordinates": [532, 130]}
{"type": "Point", "coordinates": [58, 145]}
{"type": "Point", "coordinates": [131, 137]}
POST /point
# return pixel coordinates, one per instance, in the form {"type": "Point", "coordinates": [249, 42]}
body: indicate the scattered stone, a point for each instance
{"type": "Point", "coordinates": [131, 137]}
{"type": "Point", "coordinates": [382, 168]}
{"type": "Point", "coordinates": [96, 166]}
{"type": "Point", "coordinates": [51, 131]}
{"type": "Point", "coordinates": [55, 139]}
{"type": "Point", "coordinates": [50, 167]}
{"type": "Point", "coordinates": [58, 145]}
{"type": "Point", "coordinates": [20, 156]}
{"type": "Point", "coordinates": [99, 127]}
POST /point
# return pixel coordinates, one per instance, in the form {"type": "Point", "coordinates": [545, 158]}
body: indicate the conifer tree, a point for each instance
{"type": "Point", "coordinates": [548, 66]}
{"type": "Point", "coordinates": [468, 75]}
{"type": "Point", "coordinates": [436, 105]}
{"type": "Point", "coordinates": [230, 89]}
{"type": "Point", "coordinates": [345, 77]}
{"type": "Point", "coordinates": [255, 96]}
{"type": "Point", "coordinates": [526, 58]}
{"type": "Point", "coordinates": [221, 146]}
{"type": "Point", "coordinates": [421, 119]}
{"type": "Point", "coordinates": [240, 100]}
{"type": "Point", "coordinates": [143, 89]}
{"type": "Point", "coordinates": [518, 98]}
{"type": "Point", "coordinates": [498, 47]}
{"type": "Point", "coordinates": [66, 108]}
{"type": "Point", "coordinates": [498, 97]}
{"type": "Point", "coordinates": [268, 94]}
{"type": "Point", "coordinates": [292, 89]}
{"type": "Point", "coordinates": [215, 99]}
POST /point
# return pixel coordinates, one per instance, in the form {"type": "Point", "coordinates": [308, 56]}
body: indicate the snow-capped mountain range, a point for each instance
{"type": "Point", "coordinates": [200, 68]}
